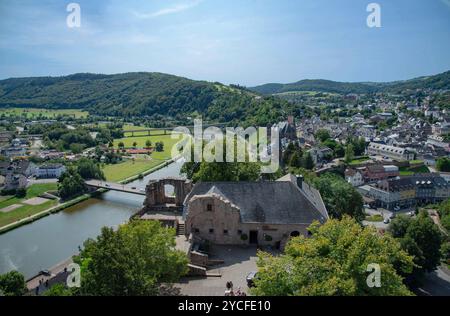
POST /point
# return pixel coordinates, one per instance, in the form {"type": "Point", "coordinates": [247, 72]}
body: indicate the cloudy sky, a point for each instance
{"type": "Point", "coordinates": [247, 42]}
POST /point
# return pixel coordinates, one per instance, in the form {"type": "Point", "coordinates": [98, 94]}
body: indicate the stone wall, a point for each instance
{"type": "Point", "coordinates": [156, 196]}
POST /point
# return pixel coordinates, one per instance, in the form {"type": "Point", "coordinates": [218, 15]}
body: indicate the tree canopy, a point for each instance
{"type": "Point", "coordinates": [339, 196]}
{"type": "Point", "coordinates": [334, 260]}
{"type": "Point", "coordinates": [12, 284]}
{"type": "Point", "coordinates": [421, 238]}
{"type": "Point", "coordinates": [131, 261]}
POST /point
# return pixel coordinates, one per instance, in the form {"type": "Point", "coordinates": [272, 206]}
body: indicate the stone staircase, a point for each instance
{"type": "Point", "coordinates": [181, 229]}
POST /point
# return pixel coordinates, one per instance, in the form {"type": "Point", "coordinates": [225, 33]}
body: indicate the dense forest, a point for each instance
{"type": "Point", "coordinates": [440, 81]}
{"type": "Point", "coordinates": [139, 94]}
{"type": "Point", "coordinates": [161, 95]}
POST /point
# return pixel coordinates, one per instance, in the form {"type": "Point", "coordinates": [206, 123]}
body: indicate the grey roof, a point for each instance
{"type": "Point", "coordinates": [271, 202]}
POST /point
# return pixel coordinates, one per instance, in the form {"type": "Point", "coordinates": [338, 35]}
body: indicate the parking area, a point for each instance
{"type": "Point", "coordinates": [238, 263]}
{"type": "Point", "coordinates": [386, 214]}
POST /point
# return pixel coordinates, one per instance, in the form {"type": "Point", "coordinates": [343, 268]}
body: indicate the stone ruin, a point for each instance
{"type": "Point", "coordinates": [156, 198]}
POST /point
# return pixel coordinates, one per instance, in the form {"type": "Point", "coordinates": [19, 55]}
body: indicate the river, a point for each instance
{"type": "Point", "coordinates": [54, 238]}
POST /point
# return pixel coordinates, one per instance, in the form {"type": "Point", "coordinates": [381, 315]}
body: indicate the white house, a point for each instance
{"type": "Point", "coordinates": [50, 171]}
{"type": "Point", "coordinates": [354, 177]}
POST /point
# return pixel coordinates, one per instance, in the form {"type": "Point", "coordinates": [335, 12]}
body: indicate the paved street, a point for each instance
{"type": "Point", "coordinates": [437, 283]}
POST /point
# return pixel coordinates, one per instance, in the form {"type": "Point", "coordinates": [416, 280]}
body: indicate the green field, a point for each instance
{"type": "Point", "coordinates": [25, 210]}
{"type": "Point", "coordinates": [140, 140]}
{"type": "Point", "coordinates": [129, 127]}
{"type": "Point", "coordinates": [35, 113]}
{"type": "Point", "coordinates": [129, 168]}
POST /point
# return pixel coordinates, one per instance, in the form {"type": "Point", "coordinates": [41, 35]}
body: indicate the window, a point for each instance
{"type": "Point", "coordinates": [196, 230]}
{"type": "Point", "coordinates": [209, 207]}
{"type": "Point", "coordinates": [225, 231]}
{"type": "Point", "coordinates": [211, 231]}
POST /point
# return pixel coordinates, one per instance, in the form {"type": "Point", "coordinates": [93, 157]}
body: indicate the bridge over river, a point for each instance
{"type": "Point", "coordinates": [115, 187]}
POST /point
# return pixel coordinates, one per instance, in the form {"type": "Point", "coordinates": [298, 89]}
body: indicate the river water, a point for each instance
{"type": "Point", "coordinates": [54, 238]}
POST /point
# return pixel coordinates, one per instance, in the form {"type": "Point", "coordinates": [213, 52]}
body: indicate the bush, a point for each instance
{"type": "Point", "coordinates": [21, 193]}
{"type": "Point", "coordinates": [244, 237]}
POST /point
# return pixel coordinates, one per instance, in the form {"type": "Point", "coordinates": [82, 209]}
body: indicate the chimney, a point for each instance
{"type": "Point", "coordinates": [290, 120]}
{"type": "Point", "coordinates": [299, 181]}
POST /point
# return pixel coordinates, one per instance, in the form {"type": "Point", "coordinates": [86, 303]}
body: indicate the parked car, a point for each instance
{"type": "Point", "coordinates": [386, 221]}
{"type": "Point", "coordinates": [392, 216]}
{"type": "Point", "coordinates": [251, 278]}
{"type": "Point", "coordinates": [45, 273]}
{"type": "Point", "coordinates": [411, 213]}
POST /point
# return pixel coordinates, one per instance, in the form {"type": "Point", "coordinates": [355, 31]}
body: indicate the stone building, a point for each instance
{"type": "Point", "coordinates": [260, 213]}
{"type": "Point", "coordinates": [392, 152]}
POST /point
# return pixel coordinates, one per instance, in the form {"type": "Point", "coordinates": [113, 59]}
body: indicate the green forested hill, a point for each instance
{"type": "Point", "coordinates": [137, 94]}
{"type": "Point", "coordinates": [440, 81]}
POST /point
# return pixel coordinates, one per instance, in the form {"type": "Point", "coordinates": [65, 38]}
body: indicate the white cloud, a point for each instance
{"type": "Point", "coordinates": [169, 10]}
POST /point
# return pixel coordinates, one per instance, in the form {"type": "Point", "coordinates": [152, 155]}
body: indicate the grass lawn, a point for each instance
{"type": "Point", "coordinates": [374, 218]}
{"type": "Point", "coordinates": [404, 171]}
{"type": "Point", "coordinates": [359, 160]}
{"type": "Point", "coordinates": [129, 168]}
{"type": "Point", "coordinates": [34, 113]}
{"type": "Point", "coordinates": [26, 210]}
{"type": "Point", "coordinates": [140, 140]}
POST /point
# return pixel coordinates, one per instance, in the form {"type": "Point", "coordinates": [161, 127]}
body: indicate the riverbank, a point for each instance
{"type": "Point", "coordinates": [52, 210]}
{"type": "Point", "coordinates": [62, 206]}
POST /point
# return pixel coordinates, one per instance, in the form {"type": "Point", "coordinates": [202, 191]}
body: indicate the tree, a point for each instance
{"type": "Point", "coordinates": [21, 192]}
{"type": "Point", "coordinates": [76, 148]}
{"type": "Point", "coordinates": [133, 260]}
{"type": "Point", "coordinates": [322, 135]}
{"type": "Point", "coordinates": [334, 261]}
{"type": "Point", "coordinates": [296, 160]}
{"type": "Point", "coordinates": [308, 161]}
{"type": "Point", "coordinates": [134, 144]}
{"type": "Point", "coordinates": [443, 164]}
{"type": "Point", "coordinates": [58, 290]}
{"type": "Point", "coordinates": [349, 153]}
{"type": "Point", "coordinates": [71, 184]}
{"type": "Point", "coordinates": [12, 284]}
{"type": "Point", "coordinates": [88, 169]}
{"type": "Point", "coordinates": [121, 145]}
{"type": "Point", "coordinates": [148, 143]}
{"type": "Point", "coordinates": [421, 238]}
{"type": "Point", "coordinates": [159, 146]}
{"type": "Point", "coordinates": [222, 171]}
{"type": "Point", "coordinates": [339, 196]}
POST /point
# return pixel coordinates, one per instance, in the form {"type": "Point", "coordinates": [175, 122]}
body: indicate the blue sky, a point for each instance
{"type": "Point", "coordinates": [247, 42]}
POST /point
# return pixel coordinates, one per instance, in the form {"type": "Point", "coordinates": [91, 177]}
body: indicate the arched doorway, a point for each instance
{"type": "Point", "coordinates": [295, 233]}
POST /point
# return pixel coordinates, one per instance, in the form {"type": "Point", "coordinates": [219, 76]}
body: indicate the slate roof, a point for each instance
{"type": "Point", "coordinates": [270, 202]}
